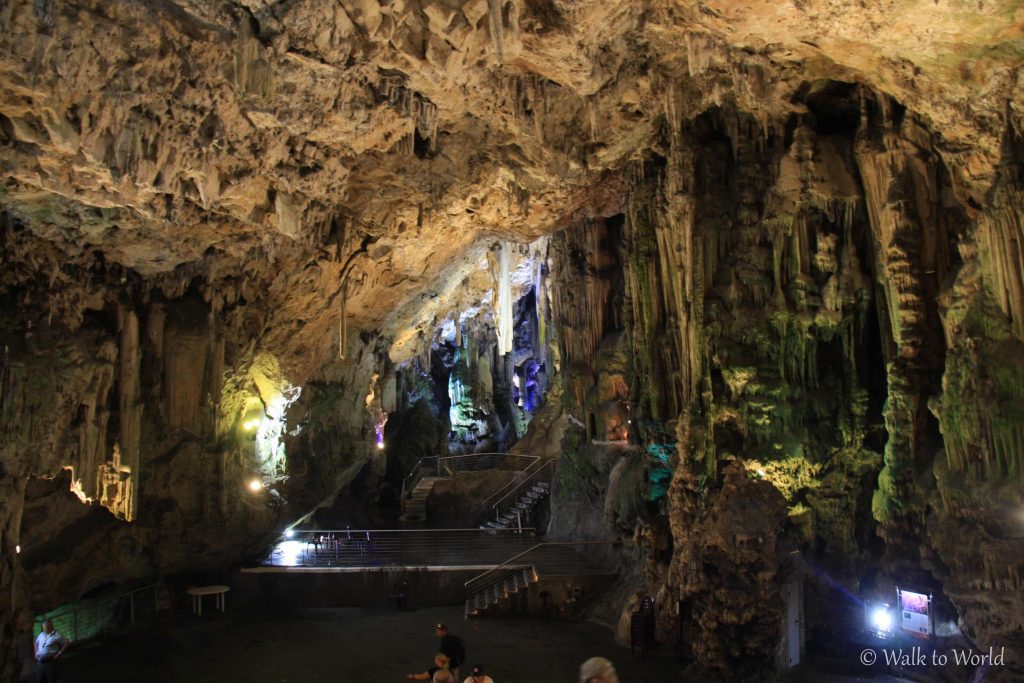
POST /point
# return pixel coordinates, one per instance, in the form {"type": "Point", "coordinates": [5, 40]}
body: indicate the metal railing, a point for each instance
{"type": "Point", "coordinates": [444, 465]}
{"type": "Point", "coordinates": [403, 547]}
{"type": "Point", "coordinates": [510, 494]}
{"type": "Point", "coordinates": [92, 618]}
{"type": "Point", "coordinates": [546, 560]}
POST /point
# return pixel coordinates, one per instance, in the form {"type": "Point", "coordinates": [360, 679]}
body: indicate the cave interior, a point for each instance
{"type": "Point", "coordinates": [746, 277]}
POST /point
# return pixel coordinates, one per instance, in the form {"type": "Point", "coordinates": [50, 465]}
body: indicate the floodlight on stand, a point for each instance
{"type": "Point", "coordinates": [255, 485]}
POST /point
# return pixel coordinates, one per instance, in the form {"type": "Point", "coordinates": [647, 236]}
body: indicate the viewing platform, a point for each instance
{"type": "Point", "coordinates": [361, 550]}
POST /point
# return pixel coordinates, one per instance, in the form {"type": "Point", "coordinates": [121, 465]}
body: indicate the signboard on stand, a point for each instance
{"type": "Point", "coordinates": [915, 613]}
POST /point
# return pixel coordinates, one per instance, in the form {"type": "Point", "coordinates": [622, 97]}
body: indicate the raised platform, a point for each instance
{"type": "Point", "coordinates": [355, 569]}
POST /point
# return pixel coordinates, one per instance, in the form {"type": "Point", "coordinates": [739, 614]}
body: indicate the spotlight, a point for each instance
{"type": "Point", "coordinates": [17, 550]}
{"type": "Point", "coordinates": [880, 620]}
{"type": "Point", "coordinates": [289, 533]}
{"type": "Point", "coordinates": [255, 485]}
{"type": "Point", "coordinates": [380, 445]}
{"type": "Point", "coordinates": [250, 425]}
{"type": "Point", "coordinates": [761, 473]}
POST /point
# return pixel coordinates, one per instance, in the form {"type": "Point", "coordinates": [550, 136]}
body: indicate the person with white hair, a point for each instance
{"type": "Point", "coordinates": [49, 646]}
{"type": "Point", "coordinates": [598, 670]}
{"type": "Point", "coordinates": [444, 676]}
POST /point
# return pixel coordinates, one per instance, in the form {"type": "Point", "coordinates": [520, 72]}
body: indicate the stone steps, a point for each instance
{"type": "Point", "coordinates": [415, 507]}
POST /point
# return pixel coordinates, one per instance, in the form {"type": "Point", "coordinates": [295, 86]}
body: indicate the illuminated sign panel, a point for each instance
{"type": "Point", "coordinates": [914, 609]}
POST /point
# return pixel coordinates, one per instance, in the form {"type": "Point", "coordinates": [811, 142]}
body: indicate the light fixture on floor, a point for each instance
{"type": "Point", "coordinates": [255, 485]}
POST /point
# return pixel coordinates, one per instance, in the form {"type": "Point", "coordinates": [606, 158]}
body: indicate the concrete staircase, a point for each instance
{"type": "Point", "coordinates": [512, 581]}
{"type": "Point", "coordinates": [520, 512]}
{"type": "Point", "coordinates": [544, 567]}
{"type": "Point", "coordinates": [415, 507]}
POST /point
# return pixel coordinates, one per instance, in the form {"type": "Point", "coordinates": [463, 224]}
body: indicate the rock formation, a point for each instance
{"type": "Point", "coordinates": [768, 253]}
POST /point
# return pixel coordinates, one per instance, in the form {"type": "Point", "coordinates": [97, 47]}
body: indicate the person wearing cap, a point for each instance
{"type": "Point", "coordinates": [477, 675]}
{"type": "Point", "coordinates": [453, 647]}
{"type": "Point", "coordinates": [598, 670]}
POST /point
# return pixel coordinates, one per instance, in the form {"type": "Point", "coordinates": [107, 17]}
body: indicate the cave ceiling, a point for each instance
{"type": "Point", "coordinates": [270, 150]}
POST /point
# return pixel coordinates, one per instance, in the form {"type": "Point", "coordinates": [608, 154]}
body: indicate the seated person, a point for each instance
{"type": "Point", "coordinates": [441, 663]}
{"type": "Point", "coordinates": [477, 675]}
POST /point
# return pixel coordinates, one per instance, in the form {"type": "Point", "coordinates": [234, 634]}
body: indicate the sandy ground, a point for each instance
{"type": "Point", "coordinates": [360, 646]}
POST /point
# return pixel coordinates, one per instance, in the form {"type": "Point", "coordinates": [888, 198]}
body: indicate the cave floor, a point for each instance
{"type": "Point", "coordinates": [360, 645]}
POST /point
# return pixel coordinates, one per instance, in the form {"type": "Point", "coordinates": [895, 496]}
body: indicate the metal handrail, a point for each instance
{"type": "Point", "coordinates": [69, 624]}
{"type": "Point", "coordinates": [481, 456]}
{"type": "Point", "coordinates": [507, 564]}
{"type": "Point", "coordinates": [518, 485]}
{"type": "Point", "coordinates": [380, 547]}
{"type": "Point", "coordinates": [475, 530]}
{"type": "Point", "coordinates": [446, 462]}
{"type": "Point", "coordinates": [515, 480]}
{"type": "Point", "coordinates": [414, 472]}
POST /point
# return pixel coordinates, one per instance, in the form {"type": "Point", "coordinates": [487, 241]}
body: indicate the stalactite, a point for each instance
{"type": "Point", "coordinates": [503, 314]}
{"type": "Point", "coordinates": [6, 387]}
{"type": "Point", "coordinates": [342, 319]}
{"type": "Point", "coordinates": [538, 259]}
{"type": "Point", "coordinates": [421, 112]}
{"type": "Point", "coordinates": [518, 198]}
{"type": "Point", "coordinates": [1002, 237]}
{"type": "Point", "coordinates": [426, 121]}
{"type": "Point", "coordinates": [700, 49]}
{"type": "Point", "coordinates": [496, 24]}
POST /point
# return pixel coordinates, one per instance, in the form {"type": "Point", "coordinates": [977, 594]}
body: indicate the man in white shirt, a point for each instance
{"type": "Point", "coordinates": [477, 675]}
{"type": "Point", "coordinates": [50, 645]}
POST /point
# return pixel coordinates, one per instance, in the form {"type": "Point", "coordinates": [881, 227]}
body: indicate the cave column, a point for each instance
{"type": "Point", "coordinates": [130, 409]}
{"type": "Point", "coordinates": [891, 178]}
